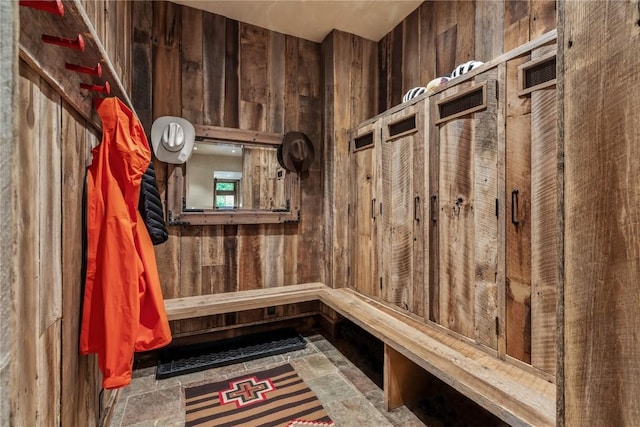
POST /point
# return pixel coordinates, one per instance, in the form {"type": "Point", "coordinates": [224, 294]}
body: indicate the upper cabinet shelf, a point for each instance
{"type": "Point", "coordinates": [49, 59]}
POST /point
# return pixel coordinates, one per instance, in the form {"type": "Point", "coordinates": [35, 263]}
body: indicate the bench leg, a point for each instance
{"type": "Point", "coordinates": [404, 381]}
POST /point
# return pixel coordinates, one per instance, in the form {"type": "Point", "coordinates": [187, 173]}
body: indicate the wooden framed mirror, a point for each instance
{"type": "Point", "coordinates": [232, 177]}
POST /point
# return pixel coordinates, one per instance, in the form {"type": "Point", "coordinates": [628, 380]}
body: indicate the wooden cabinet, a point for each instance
{"type": "Point", "coordinates": [454, 208]}
{"type": "Point", "coordinates": [464, 188]}
{"type": "Point", "coordinates": [401, 219]}
{"type": "Point", "coordinates": [531, 185]}
{"type": "Point", "coordinates": [387, 175]}
{"type": "Point", "coordinates": [364, 208]}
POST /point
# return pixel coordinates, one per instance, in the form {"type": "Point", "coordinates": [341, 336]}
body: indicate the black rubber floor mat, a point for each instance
{"type": "Point", "coordinates": [193, 358]}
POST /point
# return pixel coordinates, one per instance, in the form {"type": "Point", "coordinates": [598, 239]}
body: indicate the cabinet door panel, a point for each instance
{"type": "Point", "coordinates": [467, 223]}
{"type": "Point", "coordinates": [544, 231]}
{"type": "Point", "coordinates": [401, 244]}
{"type": "Point", "coordinates": [364, 176]}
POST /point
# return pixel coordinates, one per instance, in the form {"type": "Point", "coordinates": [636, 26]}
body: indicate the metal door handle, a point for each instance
{"type": "Point", "coordinates": [373, 208]}
{"type": "Point", "coordinates": [514, 203]}
{"type": "Point", "coordinates": [416, 203]}
{"type": "Point", "coordinates": [433, 207]}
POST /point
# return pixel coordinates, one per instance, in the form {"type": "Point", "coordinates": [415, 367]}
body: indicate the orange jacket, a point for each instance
{"type": "Point", "coordinates": [123, 308]}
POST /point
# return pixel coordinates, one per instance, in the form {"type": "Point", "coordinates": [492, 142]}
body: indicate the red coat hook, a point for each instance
{"type": "Point", "coordinates": [78, 43]}
{"type": "Point", "coordinates": [95, 71]}
{"type": "Point", "coordinates": [51, 6]}
{"type": "Point", "coordinates": [106, 89]}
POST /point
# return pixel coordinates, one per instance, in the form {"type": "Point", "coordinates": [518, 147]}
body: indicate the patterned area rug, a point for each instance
{"type": "Point", "coordinates": [275, 397]}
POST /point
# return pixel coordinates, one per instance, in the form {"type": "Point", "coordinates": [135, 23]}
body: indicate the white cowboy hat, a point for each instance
{"type": "Point", "coordinates": [172, 139]}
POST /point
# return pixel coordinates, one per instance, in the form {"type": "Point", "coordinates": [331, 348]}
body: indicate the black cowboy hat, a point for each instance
{"type": "Point", "coordinates": [296, 153]}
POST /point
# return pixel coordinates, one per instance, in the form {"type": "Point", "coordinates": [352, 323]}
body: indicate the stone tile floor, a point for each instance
{"type": "Point", "coordinates": [348, 395]}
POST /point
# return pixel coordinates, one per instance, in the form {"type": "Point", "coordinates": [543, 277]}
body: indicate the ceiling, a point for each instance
{"type": "Point", "coordinates": [314, 19]}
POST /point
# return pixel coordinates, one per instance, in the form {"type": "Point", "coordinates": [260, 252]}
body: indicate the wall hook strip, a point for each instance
{"type": "Point", "coordinates": [95, 71]}
{"type": "Point", "coordinates": [51, 6]}
{"type": "Point", "coordinates": [106, 89]}
{"type": "Point", "coordinates": [77, 44]}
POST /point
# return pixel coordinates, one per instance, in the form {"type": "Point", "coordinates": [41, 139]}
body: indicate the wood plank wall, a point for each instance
{"type": "Point", "coordinates": [217, 71]}
{"type": "Point", "coordinates": [51, 383]}
{"type": "Point", "coordinates": [55, 385]}
{"type": "Point", "coordinates": [9, 330]}
{"type": "Point", "coordinates": [350, 95]}
{"type": "Point", "coordinates": [438, 35]}
{"type": "Point", "coordinates": [600, 104]}
{"type": "Point", "coordinates": [111, 19]}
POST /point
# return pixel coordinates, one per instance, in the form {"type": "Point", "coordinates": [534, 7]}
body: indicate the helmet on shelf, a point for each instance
{"type": "Point", "coordinates": [465, 68]}
{"type": "Point", "coordinates": [412, 93]}
{"type": "Point", "coordinates": [437, 82]}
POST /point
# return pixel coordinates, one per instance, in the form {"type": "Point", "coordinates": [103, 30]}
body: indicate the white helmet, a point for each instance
{"type": "Point", "coordinates": [437, 82]}
{"type": "Point", "coordinates": [465, 68]}
{"type": "Point", "coordinates": [413, 93]}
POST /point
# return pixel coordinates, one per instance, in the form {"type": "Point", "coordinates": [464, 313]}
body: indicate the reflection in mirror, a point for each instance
{"type": "Point", "coordinates": [234, 176]}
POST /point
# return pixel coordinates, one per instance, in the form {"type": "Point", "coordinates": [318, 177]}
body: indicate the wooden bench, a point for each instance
{"type": "Point", "coordinates": [517, 396]}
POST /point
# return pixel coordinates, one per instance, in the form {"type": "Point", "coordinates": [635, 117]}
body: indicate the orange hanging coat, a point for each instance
{"type": "Point", "coordinates": [123, 308]}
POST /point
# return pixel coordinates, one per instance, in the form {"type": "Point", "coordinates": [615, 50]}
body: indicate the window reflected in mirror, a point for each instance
{"type": "Point", "coordinates": [228, 176]}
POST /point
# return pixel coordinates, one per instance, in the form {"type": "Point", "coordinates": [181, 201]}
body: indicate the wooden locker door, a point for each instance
{"type": "Point", "coordinates": [363, 209]}
{"type": "Point", "coordinates": [532, 219]}
{"type": "Point", "coordinates": [401, 238]}
{"type": "Point", "coordinates": [467, 225]}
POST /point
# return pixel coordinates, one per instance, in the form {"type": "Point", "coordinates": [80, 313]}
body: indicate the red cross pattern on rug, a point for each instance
{"type": "Point", "coordinates": [246, 391]}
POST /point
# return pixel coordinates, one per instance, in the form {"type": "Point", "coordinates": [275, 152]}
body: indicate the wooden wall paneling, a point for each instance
{"type": "Point", "coordinates": [308, 240]}
{"type": "Point", "coordinates": [167, 81]}
{"type": "Point", "coordinates": [80, 384]}
{"type": "Point", "coordinates": [411, 52]}
{"type": "Point", "coordinates": [544, 240]}
{"type": "Point", "coordinates": [356, 94]}
{"type": "Point", "coordinates": [123, 54]}
{"type": "Point", "coordinates": [384, 61]}
{"type": "Point", "coordinates": [427, 45]}
{"type": "Point", "coordinates": [516, 23]}
{"type": "Point", "coordinates": [231, 79]}
{"type": "Point", "coordinates": [488, 41]}
{"type": "Point", "coordinates": [191, 261]}
{"type": "Point", "coordinates": [9, 132]}
{"type": "Point", "coordinates": [309, 61]}
{"type": "Point", "coordinates": [602, 205]}
{"type": "Point", "coordinates": [253, 80]}
{"type": "Point", "coordinates": [446, 33]}
{"type": "Point", "coordinates": [192, 65]}
{"type": "Point", "coordinates": [167, 101]}
{"type": "Point", "coordinates": [48, 201]}
{"type": "Point", "coordinates": [445, 53]}
{"type": "Point", "coordinates": [394, 91]}
{"type": "Point", "coordinates": [277, 76]}
{"type": "Point", "coordinates": [542, 17]}
{"type": "Point", "coordinates": [251, 254]}
{"type": "Point", "coordinates": [49, 210]}
{"type": "Point", "coordinates": [518, 236]}
{"type": "Point", "coordinates": [213, 46]}
{"type": "Point", "coordinates": [291, 110]}
{"type": "Point", "coordinates": [190, 278]}
{"type": "Point", "coordinates": [485, 228]}
{"type": "Point", "coordinates": [369, 80]}
{"type": "Point", "coordinates": [465, 34]}
{"type": "Point", "coordinates": [214, 278]}
{"type": "Point", "coordinates": [296, 252]}
{"type": "Point", "coordinates": [142, 73]}
{"type": "Point", "coordinates": [336, 153]}
{"type": "Point", "coordinates": [27, 192]}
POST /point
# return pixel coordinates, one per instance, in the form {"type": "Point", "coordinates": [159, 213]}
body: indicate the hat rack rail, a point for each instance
{"type": "Point", "coordinates": [58, 40]}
